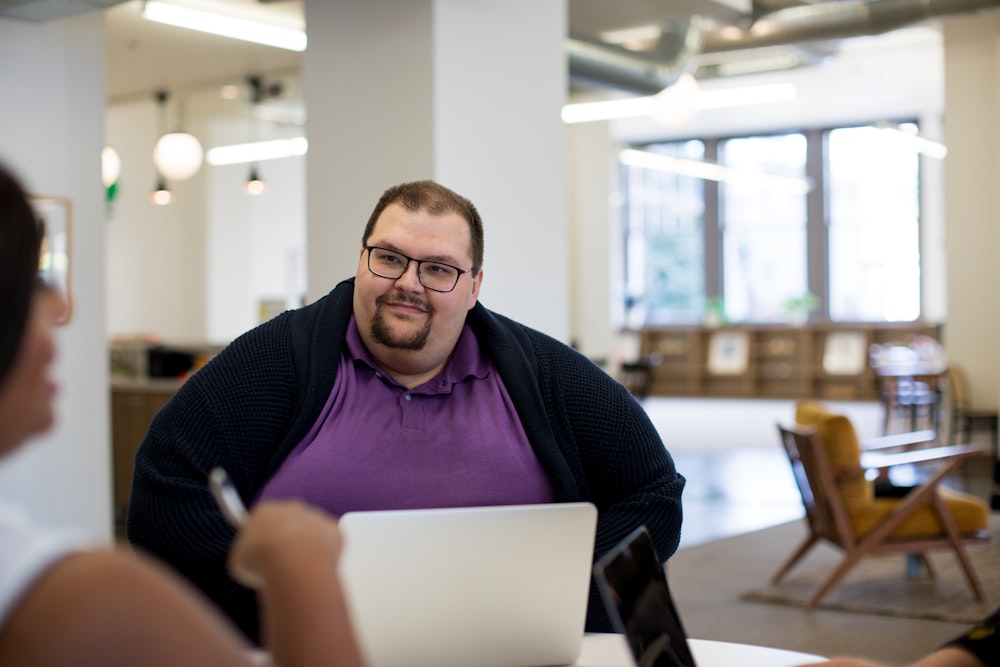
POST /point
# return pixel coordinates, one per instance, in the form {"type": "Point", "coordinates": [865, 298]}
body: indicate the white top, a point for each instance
{"type": "Point", "coordinates": [26, 551]}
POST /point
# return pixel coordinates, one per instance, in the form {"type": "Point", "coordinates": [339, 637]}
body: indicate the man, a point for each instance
{"type": "Point", "coordinates": [398, 390]}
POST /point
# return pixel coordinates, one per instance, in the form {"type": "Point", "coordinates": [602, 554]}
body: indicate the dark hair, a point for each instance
{"type": "Point", "coordinates": [434, 198]}
{"type": "Point", "coordinates": [20, 241]}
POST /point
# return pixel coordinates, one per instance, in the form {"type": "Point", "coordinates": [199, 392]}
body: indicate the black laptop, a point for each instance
{"type": "Point", "coordinates": [634, 587]}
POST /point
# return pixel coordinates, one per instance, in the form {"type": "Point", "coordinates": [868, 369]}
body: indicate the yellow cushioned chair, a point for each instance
{"type": "Point", "coordinates": [841, 508]}
{"type": "Point", "coordinates": [864, 509]}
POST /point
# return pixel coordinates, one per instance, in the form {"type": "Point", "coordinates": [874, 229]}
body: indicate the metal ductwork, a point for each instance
{"type": "Point", "coordinates": [594, 62]}
{"type": "Point", "coordinates": [603, 64]}
{"type": "Point", "coordinates": [46, 10]}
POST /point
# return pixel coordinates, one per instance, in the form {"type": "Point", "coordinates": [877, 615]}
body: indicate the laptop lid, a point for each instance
{"type": "Point", "coordinates": [634, 588]}
{"type": "Point", "coordinates": [499, 586]}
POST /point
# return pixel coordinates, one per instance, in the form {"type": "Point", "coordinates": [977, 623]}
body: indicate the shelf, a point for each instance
{"type": "Point", "coordinates": [828, 361]}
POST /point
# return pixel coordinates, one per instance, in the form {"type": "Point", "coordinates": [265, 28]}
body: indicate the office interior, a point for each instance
{"type": "Point", "coordinates": [401, 90]}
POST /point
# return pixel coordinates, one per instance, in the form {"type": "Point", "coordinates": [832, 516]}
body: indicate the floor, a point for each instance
{"type": "Point", "coordinates": [738, 478]}
{"type": "Point", "coordinates": [739, 481]}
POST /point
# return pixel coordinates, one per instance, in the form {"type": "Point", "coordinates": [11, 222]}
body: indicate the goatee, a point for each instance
{"type": "Point", "coordinates": [383, 333]}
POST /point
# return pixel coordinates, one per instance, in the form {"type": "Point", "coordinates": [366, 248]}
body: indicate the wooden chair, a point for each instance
{"type": "Point", "coordinates": [841, 508]}
{"type": "Point", "coordinates": [637, 375]}
{"type": "Point", "coordinates": [964, 417]}
{"type": "Point", "coordinates": [967, 419]}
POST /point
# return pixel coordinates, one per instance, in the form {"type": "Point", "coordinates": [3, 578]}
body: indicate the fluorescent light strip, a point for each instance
{"type": "Point", "coordinates": [257, 151]}
{"type": "Point", "coordinates": [584, 112]}
{"type": "Point", "coordinates": [710, 171]}
{"type": "Point", "coordinates": [914, 142]}
{"type": "Point", "coordinates": [225, 26]}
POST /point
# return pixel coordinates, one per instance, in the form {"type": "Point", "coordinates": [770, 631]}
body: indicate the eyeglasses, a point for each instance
{"type": "Point", "coordinates": [435, 276]}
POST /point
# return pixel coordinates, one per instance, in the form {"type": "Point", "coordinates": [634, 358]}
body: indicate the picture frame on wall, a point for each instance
{"type": "Point", "coordinates": [55, 216]}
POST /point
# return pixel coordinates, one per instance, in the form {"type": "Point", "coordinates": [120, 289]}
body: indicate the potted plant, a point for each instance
{"type": "Point", "coordinates": [799, 307]}
{"type": "Point", "coordinates": [715, 312]}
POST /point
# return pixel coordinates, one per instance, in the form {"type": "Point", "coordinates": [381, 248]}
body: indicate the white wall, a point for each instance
{"type": "Point", "coordinates": [196, 270]}
{"type": "Point", "coordinates": [51, 133]}
{"type": "Point", "coordinates": [156, 275]}
{"type": "Point", "coordinates": [255, 245]}
{"type": "Point", "coordinates": [972, 204]}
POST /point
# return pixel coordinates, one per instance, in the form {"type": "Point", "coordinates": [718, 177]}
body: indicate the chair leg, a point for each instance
{"type": "Point", "coordinates": [951, 530]}
{"type": "Point", "coordinates": [805, 546]}
{"type": "Point", "coordinates": [850, 560]}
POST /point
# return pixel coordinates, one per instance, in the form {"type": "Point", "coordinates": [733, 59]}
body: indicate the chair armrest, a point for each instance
{"type": "Point", "coordinates": [870, 460]}
{"type": "Point", "coordinates": [897, 440]}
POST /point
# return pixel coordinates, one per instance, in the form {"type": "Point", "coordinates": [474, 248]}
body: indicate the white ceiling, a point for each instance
{"type": "Point", "coordinates": [144, 56]}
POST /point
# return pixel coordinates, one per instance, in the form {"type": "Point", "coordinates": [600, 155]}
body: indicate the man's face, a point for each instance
{"type": "Point", "coordinates": [401, 322]}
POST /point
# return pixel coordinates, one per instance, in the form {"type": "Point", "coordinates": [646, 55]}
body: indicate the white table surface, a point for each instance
{"type": "Point", "coordinates": [610, 650]}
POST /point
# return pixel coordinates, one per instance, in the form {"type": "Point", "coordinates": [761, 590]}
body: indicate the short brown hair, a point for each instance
{"type": "Point", "coordinates": [436, 199]}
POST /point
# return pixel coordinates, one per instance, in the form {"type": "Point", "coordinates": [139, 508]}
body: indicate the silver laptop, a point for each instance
{"type": "Point", "coordinates": [499, 586]}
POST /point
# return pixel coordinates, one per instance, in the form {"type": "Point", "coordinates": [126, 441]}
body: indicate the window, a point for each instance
{"type": "Point", "coordinates": [664, 240]}
{"type": "Point", "coordinates": [873, 187]}
{"type": "Point", "coordinates": [763, 220]}
{"type": "Point", "coordinates": [753, 225]}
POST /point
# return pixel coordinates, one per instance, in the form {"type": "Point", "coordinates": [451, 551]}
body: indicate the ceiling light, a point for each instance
{"type": "Point", "coordinates": [637, 39]}
{"type": "Point", "coordinates": [677, 104]}
{"type": "Point", "coordinates": [178, 155]}
{"type": "Point", "coordinates": [257, 151]}
{"type": "Point", "coordinates": [705, 99]}
{"type": "Point", "coordinates": [711, 171]}
{"type": "Point", "coordinates": [585, 112]}
{"type": "Point", "coordinates": [161, 195]}
{"type": "Point", "coordinates": [913, 141]}
{"type": "Point", "coordinates": [226, 26]}
{"type": "Point", "coordinates": [111, 166]}
{"type": "Point", "coordinates": [254, 185]}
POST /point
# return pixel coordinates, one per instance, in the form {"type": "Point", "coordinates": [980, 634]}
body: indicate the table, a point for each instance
{"type": "Point", "coordinates": [907, 387]}
{"type": "Point", "coordinates": [610, 650]}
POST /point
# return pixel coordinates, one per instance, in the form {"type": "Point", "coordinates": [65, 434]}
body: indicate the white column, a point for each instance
{"type": "Point", "coordinates": [51, 134]}
{"type": "Point", "coordinates": [465, 92]}
{"type": "Point", "coordinates": [972, 200]}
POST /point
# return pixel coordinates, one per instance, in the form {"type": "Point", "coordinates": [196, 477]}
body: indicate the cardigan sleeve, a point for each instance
{"type": "Point", "coordinates": [595, 441]}
{"type": "Point", "coordinates": [234, 413]}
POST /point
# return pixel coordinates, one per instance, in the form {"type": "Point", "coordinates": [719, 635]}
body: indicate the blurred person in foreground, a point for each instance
{"type": "Point", "coordinates": [64, 601]}
{"type": "Point", "coordinates": [977, 647]}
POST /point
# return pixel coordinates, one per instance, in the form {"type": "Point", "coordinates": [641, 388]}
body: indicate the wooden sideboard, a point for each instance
{"type": "Point", "coordinates": [826, 361]}
{"type": "Point", "coordinates": [136, 396]}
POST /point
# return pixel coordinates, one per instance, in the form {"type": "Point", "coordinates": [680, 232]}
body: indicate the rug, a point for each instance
{"type": "Point", "coordinates": [879, 585]}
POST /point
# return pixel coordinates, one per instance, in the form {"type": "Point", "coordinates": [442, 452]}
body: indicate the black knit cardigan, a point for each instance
{"type": "Point", "coordinates": [249, 407]}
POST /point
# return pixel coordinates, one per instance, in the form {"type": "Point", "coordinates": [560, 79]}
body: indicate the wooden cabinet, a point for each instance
{"type": "Point", "coordinates": [133, 406]}
{"type": "Point", "coordinates": [827, 361]}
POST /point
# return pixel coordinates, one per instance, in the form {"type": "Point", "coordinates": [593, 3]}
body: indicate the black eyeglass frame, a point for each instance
{"type": "Point", "coordinates": [420, 263]}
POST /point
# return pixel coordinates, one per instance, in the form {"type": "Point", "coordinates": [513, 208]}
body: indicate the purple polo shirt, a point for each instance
{"type": "Point", "coordinates": [454, 441]}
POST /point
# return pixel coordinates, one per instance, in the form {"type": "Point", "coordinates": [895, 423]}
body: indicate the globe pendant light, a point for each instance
{"type": "Point", "coordinates": [177, 155]}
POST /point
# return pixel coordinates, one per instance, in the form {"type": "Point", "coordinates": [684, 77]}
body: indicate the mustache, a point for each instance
{"type": "Point", "coordinates": [402, 299]}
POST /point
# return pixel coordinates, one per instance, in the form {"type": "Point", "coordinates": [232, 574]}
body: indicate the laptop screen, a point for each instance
{"type": "Point", "coordinates": [634, 588]}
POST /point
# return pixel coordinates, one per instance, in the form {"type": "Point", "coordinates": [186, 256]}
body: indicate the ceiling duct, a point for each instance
{"type": "Point", "coordinates": [595, 62]}
{"type": "Point", "coordinates": [46, 10]}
